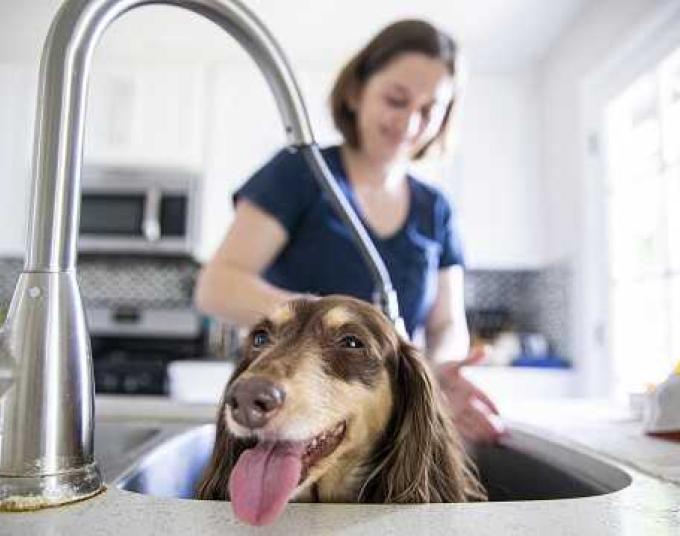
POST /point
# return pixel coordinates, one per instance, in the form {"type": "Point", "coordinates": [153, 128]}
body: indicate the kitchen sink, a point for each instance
{"type": "Point", "coordinates": [522, 467]}
{"type": "Point", "coordinates": [118, 445]}
{"type": "Point", "coordinates": [525, 467]}
{"type": "Point", "coordinates": [173, 467]}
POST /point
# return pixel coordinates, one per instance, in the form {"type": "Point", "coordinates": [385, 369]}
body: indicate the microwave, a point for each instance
{"type": "Point", "coordinates": [145, 211]}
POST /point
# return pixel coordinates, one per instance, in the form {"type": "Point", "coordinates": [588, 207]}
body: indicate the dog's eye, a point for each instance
{"type": "Point", "coordinates": [260, 338]}
{"type": "Point", "coordinates": [350, 341]}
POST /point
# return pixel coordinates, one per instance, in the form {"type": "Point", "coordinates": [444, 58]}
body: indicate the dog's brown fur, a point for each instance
{"type": "Point", "coordinates": [400, 445]}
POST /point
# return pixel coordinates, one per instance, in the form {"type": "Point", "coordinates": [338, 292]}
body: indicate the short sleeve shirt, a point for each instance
{"type": "Point", "coordinates": [320, 256]}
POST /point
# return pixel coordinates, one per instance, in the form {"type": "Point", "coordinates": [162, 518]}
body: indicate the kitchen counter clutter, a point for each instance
{"type": "Point", "coordinates": [649, 505]}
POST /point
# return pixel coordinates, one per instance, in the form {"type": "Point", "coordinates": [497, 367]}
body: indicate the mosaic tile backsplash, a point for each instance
{"type": "Point", "coordinates": [145, 282]}
{"type": "Point", "coordinates": [536, 300]}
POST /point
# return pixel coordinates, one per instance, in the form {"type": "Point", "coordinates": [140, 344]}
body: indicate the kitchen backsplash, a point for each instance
{"type": "Point", "coordinates": [536, 300]}
{"type": "Point", "coordinates": [146, 282]}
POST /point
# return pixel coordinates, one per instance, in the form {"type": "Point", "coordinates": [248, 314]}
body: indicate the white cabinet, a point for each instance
{"type": "Point", "coordinates": [18, 88]}
{"type": "Point", "coordinates": [218, 119]}
{"type": "Point", "coordinates": [145, 114]}
{"type": "Point", "coordinates": [499, 190]}
{"type": "Point", "coordinates": [137, 114]}
{"type": "Point", "coordinates": [243, 130]}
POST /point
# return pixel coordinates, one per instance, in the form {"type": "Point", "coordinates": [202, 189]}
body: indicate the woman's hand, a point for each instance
{"type": "Point", "coordinates": [474, 414]}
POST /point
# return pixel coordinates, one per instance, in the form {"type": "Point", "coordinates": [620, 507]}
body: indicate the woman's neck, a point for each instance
{"type": "Point", "coordinates": [362, 170]}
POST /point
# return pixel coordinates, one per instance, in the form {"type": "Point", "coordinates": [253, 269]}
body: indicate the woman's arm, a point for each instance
{"type": "Point", "coordinates": [446, 332]}
{"type": "Point", "coordinates": [230, 285]}
{"type": "Point", "coordinates": [448, 342]}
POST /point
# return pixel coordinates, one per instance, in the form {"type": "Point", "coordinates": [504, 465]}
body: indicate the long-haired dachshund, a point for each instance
{"type": "Point", "coordinates": [329, 404]}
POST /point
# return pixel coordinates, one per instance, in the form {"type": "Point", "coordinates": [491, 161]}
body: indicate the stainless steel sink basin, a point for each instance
{"type": "Point", "coordinates": [173, 467]}
{"type": "Point", "coordinates": [526, 467]}
{"type": "Point", "coordinates": [117, 445]}
{"type": "Point", "coordinates": [523, 467]}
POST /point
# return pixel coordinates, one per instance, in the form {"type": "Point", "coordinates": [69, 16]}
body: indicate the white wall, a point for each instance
{"type": "Point", "coordinates": [585, 48]}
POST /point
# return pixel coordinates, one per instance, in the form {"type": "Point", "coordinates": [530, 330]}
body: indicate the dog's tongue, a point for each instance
{"type": "Point", "coordinates": [263, 480]}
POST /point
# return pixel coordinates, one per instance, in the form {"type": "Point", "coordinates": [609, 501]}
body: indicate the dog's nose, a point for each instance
{"type": "Point", "coordinates": [254, 401]}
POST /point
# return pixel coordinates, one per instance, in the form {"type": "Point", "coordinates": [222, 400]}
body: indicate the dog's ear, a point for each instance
{"type": "Point", "coordinates": [421, 458]}
{"type": "Point", "coordinates": [214, 483]}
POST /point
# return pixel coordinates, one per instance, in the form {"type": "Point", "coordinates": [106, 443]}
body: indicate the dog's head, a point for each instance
{"type": "Point", "coordinates": [329, 403]}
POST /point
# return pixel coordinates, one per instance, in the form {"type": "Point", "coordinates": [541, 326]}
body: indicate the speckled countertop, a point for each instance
{"type": "Point", "coordinates": [650, 505]}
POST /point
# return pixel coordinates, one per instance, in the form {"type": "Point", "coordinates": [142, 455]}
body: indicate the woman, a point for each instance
{"type": "Point", "coordinates": [391, 102]}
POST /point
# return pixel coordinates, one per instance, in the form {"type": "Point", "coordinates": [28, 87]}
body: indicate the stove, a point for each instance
{"type": "Point", "coordinates": [132, 347]}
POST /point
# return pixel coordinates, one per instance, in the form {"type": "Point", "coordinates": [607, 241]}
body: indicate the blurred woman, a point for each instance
{"type": "Point", "coordinates": [392, 103]}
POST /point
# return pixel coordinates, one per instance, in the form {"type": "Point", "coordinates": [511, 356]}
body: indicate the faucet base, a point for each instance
{"type": "Point", "coordinates": [21, 494]}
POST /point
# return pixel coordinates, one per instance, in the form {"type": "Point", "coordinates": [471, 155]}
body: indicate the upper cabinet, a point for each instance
{"type": "Point", "coordinates": [18, 89]}
{"type": "Point", "coordinates": [184, 96]}
{"type": "Point", "coordinates": [220, 120]}
{"type": "Point", "coordinates": [499, 187]}
{"type": "Point", "coordinates": [145, 114]}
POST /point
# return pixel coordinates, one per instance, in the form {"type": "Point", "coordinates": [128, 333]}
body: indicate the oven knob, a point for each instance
{"type": "Point", "coordinates": [145, 379]}
{"type": "Point", "coordinates": [108, 382]}
{"type": "Point", "coordinates": [130, 384]}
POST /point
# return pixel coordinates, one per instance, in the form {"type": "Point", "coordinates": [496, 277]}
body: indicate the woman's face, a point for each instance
{"type": "Point", "coordinates": [402, 106]}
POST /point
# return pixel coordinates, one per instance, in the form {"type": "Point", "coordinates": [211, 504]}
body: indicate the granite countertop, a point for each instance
{"type": "Point", "coordinates": [650, 505]}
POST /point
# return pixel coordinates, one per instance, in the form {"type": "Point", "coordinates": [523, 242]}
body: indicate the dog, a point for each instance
{"type": "Point", "coordinates": [330, 404]}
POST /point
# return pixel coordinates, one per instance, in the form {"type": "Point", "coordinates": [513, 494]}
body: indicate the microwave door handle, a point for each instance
{"type": "Point", "coordinates": [151, 226]}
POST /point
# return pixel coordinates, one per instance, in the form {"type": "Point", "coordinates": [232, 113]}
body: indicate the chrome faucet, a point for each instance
{"type": "Point", "coordinates": [46, 381]}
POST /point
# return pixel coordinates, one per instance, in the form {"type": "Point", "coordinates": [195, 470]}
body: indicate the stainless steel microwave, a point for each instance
{"type": "Point", "coordinates": [144, 210]}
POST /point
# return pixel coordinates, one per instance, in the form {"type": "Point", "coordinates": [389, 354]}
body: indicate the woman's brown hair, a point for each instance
{"type": "Point", "coordinates": [398, 38]}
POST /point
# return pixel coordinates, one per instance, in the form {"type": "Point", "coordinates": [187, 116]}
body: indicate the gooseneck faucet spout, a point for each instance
{"type": "Point", "coordinates": [46, 380]}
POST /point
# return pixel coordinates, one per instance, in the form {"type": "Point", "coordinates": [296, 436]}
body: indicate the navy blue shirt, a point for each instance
{"type": "Point", "coordinates": [320, 256]}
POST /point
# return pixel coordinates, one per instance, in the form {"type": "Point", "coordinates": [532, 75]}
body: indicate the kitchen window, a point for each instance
{"type": "Point", "coordinates": [643, 226]}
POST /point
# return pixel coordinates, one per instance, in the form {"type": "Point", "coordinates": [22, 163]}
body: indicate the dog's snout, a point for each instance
{"type": "Point", "coordinates": [254, 401]}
